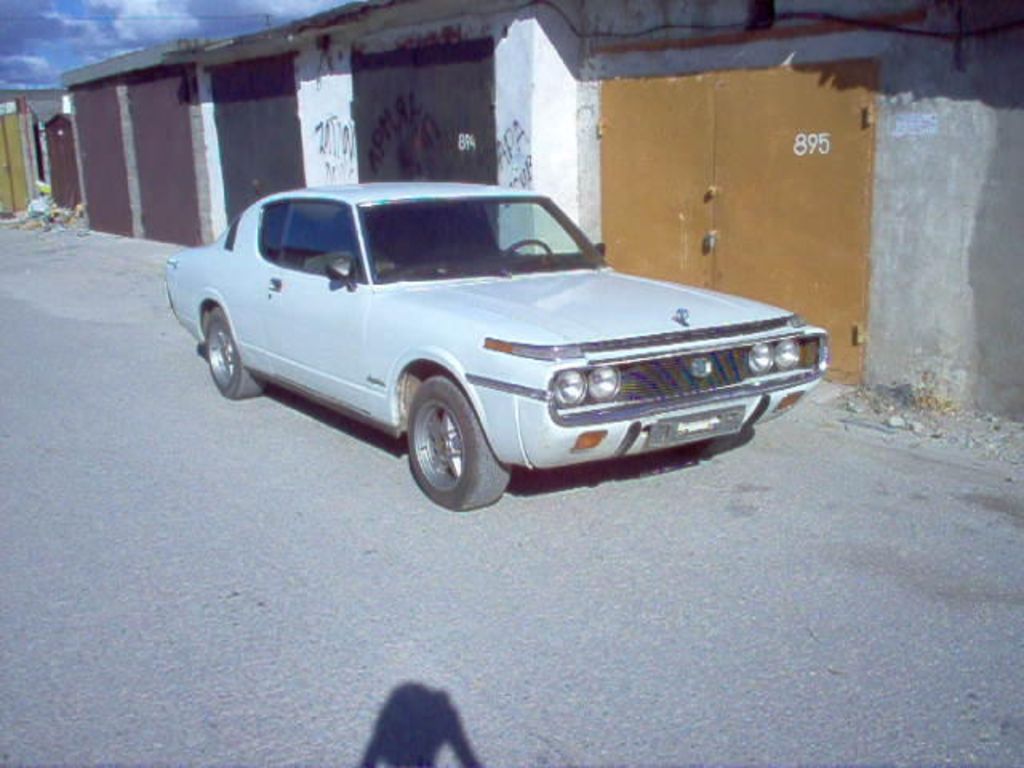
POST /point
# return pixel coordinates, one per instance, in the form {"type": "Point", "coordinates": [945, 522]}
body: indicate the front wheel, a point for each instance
{"type": "Point", "coordinates": [448, 453]}
{"type": "Point", "coordinates": [231, 377]}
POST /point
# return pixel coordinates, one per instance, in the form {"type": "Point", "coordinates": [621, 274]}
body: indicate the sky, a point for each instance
{"type": "Point", "coordinates": [39, 39]}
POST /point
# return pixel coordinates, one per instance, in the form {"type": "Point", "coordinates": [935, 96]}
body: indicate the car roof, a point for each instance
{"type": "Point", "coordinates": [387, 192]}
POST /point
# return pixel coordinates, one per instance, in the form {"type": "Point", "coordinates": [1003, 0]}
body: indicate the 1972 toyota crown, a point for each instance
{"type": "Point", "coordinates": [482, 324]}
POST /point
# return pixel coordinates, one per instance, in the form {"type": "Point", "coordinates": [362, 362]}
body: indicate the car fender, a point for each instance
{"type": "Point", "coordinates": [210, 294]}
{"type": "Point", "coordinates": [496, 411]}
{"type": "Point", "coordinates": [446, 360]}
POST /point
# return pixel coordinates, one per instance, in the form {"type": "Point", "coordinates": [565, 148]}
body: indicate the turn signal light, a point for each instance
{"type": "Point", "coordinates": [788, 401]}
{"type": "Point", "coordinates": [589, 440]}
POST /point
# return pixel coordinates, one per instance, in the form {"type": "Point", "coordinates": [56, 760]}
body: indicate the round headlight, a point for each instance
{"type": "Point", "coordinates": [760, 359]}
{"type": "Point", "coordinates": [787, 354]}
{"type": "Point", "coordinates": [604, 383]}
{"type": "Point", "coordinates": [570, 388]}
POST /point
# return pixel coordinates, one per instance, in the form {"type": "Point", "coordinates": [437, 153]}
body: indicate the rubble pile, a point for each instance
{"type": "Point", "coordinates": [44, 214]}
{"type": "Point", "coordinates": [919, 413]}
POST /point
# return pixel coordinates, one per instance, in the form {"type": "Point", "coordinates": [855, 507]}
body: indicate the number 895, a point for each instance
{"type": "Point", "coordinates": [812, 144]}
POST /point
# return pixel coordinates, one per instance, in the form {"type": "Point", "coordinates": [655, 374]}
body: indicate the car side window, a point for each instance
{"type": "Point", "coordinates": [272, 231]}
{"type": "Point", "coordinates": [316, 231]}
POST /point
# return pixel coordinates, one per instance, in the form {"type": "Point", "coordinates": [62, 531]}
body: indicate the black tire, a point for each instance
{"type": "Point", "coordinates": [448, 453]}
{"type": "Point", "coordinates": [232, 378]}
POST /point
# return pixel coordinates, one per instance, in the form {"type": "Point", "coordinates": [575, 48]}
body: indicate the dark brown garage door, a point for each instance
{"type": "Point", "coordinates": [60, 145]}
{"type": "Point", "coordinates": [257, 115]}
{"type": "Point", "coordinates": [160, 102]}
{"type": "Point", "coordinates": [427, 113]}
{"type": "Point", "coordinates": [101, 144]}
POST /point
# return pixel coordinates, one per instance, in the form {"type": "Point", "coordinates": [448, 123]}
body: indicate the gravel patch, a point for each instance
{"type": "Point", "coordinates": [899, 411]}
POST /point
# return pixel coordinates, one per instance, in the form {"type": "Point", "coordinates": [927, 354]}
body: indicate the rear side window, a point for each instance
{"type": "Point", "coordinates": [305, 234]}
{"type": "Point", "coordinates": [272, 231]}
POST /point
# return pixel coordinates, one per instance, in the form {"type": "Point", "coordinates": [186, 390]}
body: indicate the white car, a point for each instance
{"type": "Point", "coordinates": [481, 323]}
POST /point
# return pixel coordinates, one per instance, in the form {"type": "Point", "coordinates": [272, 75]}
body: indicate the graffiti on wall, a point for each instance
{"type": "Point", "coordinates": [336, 148]}
{"type": "Point", "coordinates": [407, 130]}
{"type": "Point", "coordinates": [448, 35]}
{"type": "Point", "coordinates": [515, 161]}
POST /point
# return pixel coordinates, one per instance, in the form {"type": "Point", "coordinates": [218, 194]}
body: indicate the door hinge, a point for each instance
{"type": "Point", "coordinates": [867, 116]}
{"type": "Point", "coordinates": [860, 335]}
{"type": "Point", "coordinates": [602, 125]}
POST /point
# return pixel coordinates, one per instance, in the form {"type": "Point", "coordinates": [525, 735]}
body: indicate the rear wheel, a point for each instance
{"type": "Point", "coordinates": [448, 453]}
{"type": "Point", "coordinates": [231, 377]}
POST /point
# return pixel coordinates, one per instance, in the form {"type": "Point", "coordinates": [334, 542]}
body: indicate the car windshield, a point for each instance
{"type": "Point", "coordinates": [471, 237]}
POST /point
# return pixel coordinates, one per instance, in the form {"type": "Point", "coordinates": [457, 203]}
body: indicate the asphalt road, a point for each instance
{"type": "Point", "coordinates": [185, 579]}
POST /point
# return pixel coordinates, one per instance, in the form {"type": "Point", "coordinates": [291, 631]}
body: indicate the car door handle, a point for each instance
{"type": "Point", "coordinates": [276, 285]}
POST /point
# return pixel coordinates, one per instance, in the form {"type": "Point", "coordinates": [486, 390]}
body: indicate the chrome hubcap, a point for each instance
{"type": "Point", "coordinates": [222, 355]}
{"type": "Point", "coordinates": [438, 445]}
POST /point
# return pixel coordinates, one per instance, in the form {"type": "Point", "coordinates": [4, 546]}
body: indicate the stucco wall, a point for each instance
{"type": "Point", "coordinates": [555, 106]}
{"type": "Point", "coordinates": [324, 80]}
{"type": "Point", "coordinates": [211, 144]}
{"type": "Point", "coordinates": [536, 109]}
{"type": "Point", "coordinates": [949, 220]}
{"type": "Point", "coordinates": [514, 61]}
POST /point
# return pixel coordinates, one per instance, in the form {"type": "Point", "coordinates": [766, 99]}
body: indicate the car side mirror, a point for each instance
{"type": "Point", "coordinates": [341, 266]}
{"type": "Point", "coordinates": [602, 250]}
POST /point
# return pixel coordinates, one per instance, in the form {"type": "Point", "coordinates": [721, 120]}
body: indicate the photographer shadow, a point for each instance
{"type": "Point", "coordinates": [414, 726]}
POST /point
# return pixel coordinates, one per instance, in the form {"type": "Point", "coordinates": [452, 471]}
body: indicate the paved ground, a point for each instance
{"type": "Point", "coordinates": [185, 579]}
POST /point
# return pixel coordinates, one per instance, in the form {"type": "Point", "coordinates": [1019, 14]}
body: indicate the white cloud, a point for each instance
{"type": "Point", "coordinates": [282, 9]}
{"type": "Point", "coordinates": [37, 42]}
{"type": "Point", "coordinates": [21, 71]}
{"type": "Point", "coordinates": [146, 21]}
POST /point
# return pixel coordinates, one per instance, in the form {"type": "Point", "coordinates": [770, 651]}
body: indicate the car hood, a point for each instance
{"type": "Point", "coordinates": [580, 307]}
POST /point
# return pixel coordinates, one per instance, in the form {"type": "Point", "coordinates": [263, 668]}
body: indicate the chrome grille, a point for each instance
{"type": "Point", "coordinates": [671, 377]}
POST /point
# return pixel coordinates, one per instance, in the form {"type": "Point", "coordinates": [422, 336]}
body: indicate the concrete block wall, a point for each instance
{"type": "Point", "coordinates": [949, 220]}
{"type": "Point", "coordinates": [128, 143]}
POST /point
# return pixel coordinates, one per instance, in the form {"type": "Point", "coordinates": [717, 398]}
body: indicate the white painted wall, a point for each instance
{"type": "Point", "coordinates": [324, 86]}
{"type": "Point", "coordinates": [513, 109]}
{"type": "Point", "coordinates": [535, 114]}
{"type": "Point", "coordinates": [555, 103]}
{"type": "Point", "coordinates": [215, 177]}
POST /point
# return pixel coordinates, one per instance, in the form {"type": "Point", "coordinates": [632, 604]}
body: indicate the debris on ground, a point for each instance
{"type": "Point", "coordinates": [920, 414]}
{"type": "Point", "coordinates": [43, 214]}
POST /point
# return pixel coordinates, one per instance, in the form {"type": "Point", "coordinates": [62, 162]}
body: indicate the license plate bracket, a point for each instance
{"type": "Point", "coordinates": [700, 426]}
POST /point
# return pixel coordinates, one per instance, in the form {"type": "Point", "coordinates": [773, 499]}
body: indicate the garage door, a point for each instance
{"type": "Point", "coordinates": [60, 144]}
{"type": "Point", "coordinates": [257, 116]}
{"type": "Point", "coordinates": [104, 171]}
{"type": "Point", "coordinates": [160, 103]}
{"type": "Point", "coordinates": [426, 113]}
{"type": "Point", "coordinates": [755, 182]}
{"type": "Point", "coordinates": [13, 195]}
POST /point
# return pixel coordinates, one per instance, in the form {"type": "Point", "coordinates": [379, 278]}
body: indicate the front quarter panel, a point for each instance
{"type": "Point", "coordinates": [402, 331]}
